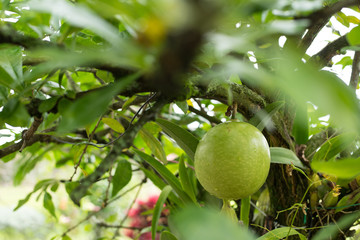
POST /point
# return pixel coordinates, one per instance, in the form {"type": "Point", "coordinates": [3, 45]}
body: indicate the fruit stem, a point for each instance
{"type": "Point", "coordinates": [245, 211]}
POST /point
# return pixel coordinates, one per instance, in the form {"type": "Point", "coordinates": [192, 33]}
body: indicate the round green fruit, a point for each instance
{"type": "Point", "coordinates": [232, 160]}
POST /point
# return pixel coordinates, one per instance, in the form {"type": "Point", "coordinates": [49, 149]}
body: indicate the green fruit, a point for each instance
{"type": "Point", "coordinates": [232, 161]}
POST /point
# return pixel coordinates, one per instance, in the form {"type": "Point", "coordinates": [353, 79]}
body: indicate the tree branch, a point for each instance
{"type": "Point", "coordinates": [248, 101]}
{"type": "Point", "coordinates": [324, 56]}
{"type": "Point", "coordinates": [355, 71]}
{"type": "Point", "coordinates": [44, 138]}
{"type": "Point", "coordinates": [320, 18]}
{"type": "Point", "coordinates": [205, 115]}
{"type": "Point", "coordinates": [125, 142]}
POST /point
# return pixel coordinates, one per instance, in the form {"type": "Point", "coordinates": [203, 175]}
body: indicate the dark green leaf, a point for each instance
{"type": "Point", "coordinates": [122, 176]}
{"type": "Point", "coordinates": [48, 204]}
{"type": "Point", "coordinates": [158, 182]}
{"type": "Point", "coordinates": [166, 235]}
{"type": "Point", "coordinates": [66, 237]}
{"type": "Point", "coordinates": [183, 138]}
{"type": "Point", "coordinates": [48, 104]}
{"type": "Point", "coordinates": [166, 174]}
{"type": "Point", "coordinates": [11, 73]}
{"type": "Point", "coordinates": [89, 107]}
{"type": "Point", "coordinates": [154, 144]}
{"type": "Point", "coordinates": [285, 156]}
{"type": "Point", "coordinates": [70, 186]}
{"type": "Point", "coordinates": [158, 209]}
{"type": "Point", "coordinates": [14, 113]}
{"type": "Point", "coordinates": [186, 183]}
{"type": "Point", "coordinates": [183, 106]}
{"type": "Point", "coordinates": [301, 124]}
{"type": "Point", "coordinates": [333, 147]}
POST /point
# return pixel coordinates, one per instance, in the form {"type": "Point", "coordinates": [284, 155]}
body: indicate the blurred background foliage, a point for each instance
{"type": "Point", "coordinates": [102, 104]}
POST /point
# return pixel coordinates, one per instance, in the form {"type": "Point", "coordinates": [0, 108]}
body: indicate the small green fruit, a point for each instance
{"type": "Point", "coordinates": [232, 161]}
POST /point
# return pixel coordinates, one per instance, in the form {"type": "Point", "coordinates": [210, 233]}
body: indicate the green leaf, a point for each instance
{"type": "Point", "coordinates": [79, 16]}
{"type": "Point", "coordinates": [280, 233]}
{"type": "Point", "coordinates": [330, 231]}
{"type": "Point", "coordinates": [14, 113]}
{"type": "Point", "coordinates": [186, 183]}
{"type": "Point", "coordinates": [345, 61]}
{"type": "Point", "coordinates": [301, 124]}
{"type": "Point", "coordinates": [285, 156]}
{"type": "Point", "coordinates": [183, 138]}
{"type": "Point", "coordinates": [11, 73]}
{"type": "Point", "coordinates": [194, 223]}
{"type": "Point", "coordinates": [41, 184]}
{"type": "Point", "coordinates": [48, 204]}
{"type": "Point", "coordinates": [342, 18]}
{"type": "Point", "coordinates": [353, 37]}
{"type": "Point", "coordinates": [154, 144]}
{"type": "Point", "coordinates": [122, 176]}
{"type": "Point", "coordinates": [342, 168]}
{"type": "Point", "coordinates": [158, 182]}
{"type": "Point", "coordinates": [263, 118]}
{"type": "Point", "coordinates": [48, 104]}
{"type": "Point", "coordinates": [166, 235]}
{"type": "Point", "coordinates": [66, 237]}
{"type": "Point", "coordinates": [29, 165]}
{"type": "Point", "coordinates": [302, 82]}
{"type": "Point", "coordinates": [70, 186]}
{"type": "Point", "coordinates": [183, 106]}
{"type": "Point", "coordinates": [158, 209]}
{"type": "Point", "coordinates": [113, 124]}
{"type": "Point", "coordinates": [86, 109]}
{"type": "Point", "coordinates": [348, 201]}
{"type": "Point", "coordinates": [333, 147]}
{"type": "Point", "coordinates": [166, 174]}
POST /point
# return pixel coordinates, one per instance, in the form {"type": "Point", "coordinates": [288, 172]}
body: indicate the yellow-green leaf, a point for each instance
{"type": "Point", "coordinates": [113, 124]}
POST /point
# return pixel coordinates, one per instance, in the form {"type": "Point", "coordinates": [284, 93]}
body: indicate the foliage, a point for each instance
{"type": "Point", "coordinates": [120, 92]}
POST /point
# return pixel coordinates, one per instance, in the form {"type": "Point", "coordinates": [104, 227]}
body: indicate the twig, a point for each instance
{"type": "Point", "coordinates": [85, 148]}
{"type": "Point", "coordinates": [105, 164]}
{"type": "Point", "coordinates": [102, 208]}
{"type": "Point", "coordinates": [116, 232]}
{"type": "Point", "coordinates": [27, 134]}
{"type": "Point", "coordinates": [34, 139]}
{"type": "Point", "coordinates": [205, 115]}
{"type": "Point", "coordinates": [354, 79]}
{"type": "Point", "coordinates": [105, 225]}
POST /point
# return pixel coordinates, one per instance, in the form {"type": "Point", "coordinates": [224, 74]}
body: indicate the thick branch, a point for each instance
{"type": "Point", "coordinates": [320, 18]}
{"type": "Point", "coordinates": [355, 71]}
{"type": "Point", "coordinates": [322, 58]}
{"type": "Point", "coordinates": [248, 101]}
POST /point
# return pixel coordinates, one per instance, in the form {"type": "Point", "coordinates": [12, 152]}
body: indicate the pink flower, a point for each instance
{"type": "Point", "coordinates": [139, 220]}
